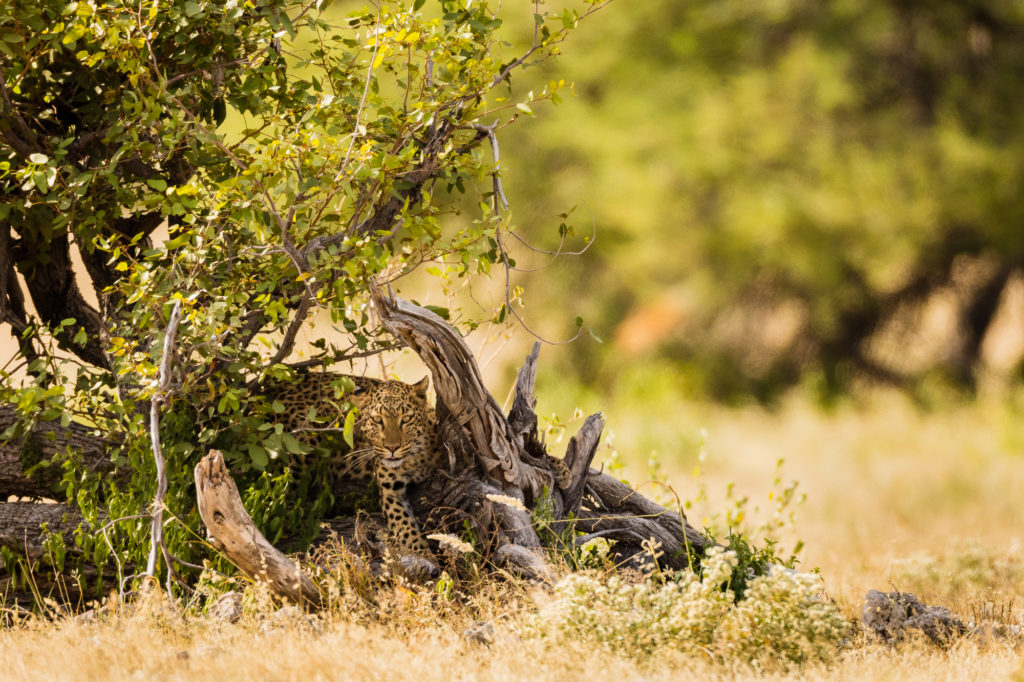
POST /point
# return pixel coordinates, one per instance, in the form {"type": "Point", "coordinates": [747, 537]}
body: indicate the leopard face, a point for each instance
{"type": "Point", "coordinates": [395, 432]}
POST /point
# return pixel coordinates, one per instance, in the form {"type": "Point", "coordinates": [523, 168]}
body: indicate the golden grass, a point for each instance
{"type": "Point", "coordinates": [155, 646]}
{"type": "Point", "coordinates": [897, 498]}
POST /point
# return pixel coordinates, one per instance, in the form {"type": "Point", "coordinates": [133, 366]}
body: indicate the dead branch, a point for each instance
{"type": "Point", "coordinates": [159, 396]}
{"type": "Point", "coordinates": [232, 531]}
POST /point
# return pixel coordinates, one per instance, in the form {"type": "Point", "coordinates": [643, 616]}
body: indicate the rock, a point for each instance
{"type": "Point", "coordinates": [227, 608]}
{"type": "Point", "coordinates": [480, 632]}
{"type": "Point", "coordinates": [893, 615]}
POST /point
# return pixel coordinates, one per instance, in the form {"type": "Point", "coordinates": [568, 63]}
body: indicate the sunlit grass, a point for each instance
{"type": "Point", "coordinates": [897, 498]}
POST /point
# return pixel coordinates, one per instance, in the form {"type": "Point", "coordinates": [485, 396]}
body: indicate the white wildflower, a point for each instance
{"type": "Point", "coordinates": [507, 501]}
{"type": "Point", "coordinates": [452, 542]}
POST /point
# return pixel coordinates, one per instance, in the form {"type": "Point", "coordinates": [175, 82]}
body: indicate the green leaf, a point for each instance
{"type": "Point", "coordinates": [157, 184]}
{"type": "Point", "coordinates": [258, 456]}
{"type": "Point", "coordinates": [38, 158]}
{"type": "Point", "coordinates": [291, 444]}
{"type": "Point", "coordinates": [441, 312]}
{"type": "Point", "coordinates": [418, 4]}
{"type": "Point", "coordinates": [348, 433]}
{"type": "Point", "coordinates": [39, 177]}
{"type": "Point", "coordinates": [192, 8]}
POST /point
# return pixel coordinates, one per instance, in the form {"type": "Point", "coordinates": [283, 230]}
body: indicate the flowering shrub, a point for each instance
{"type": "Point", "coordinates": [781, 620]}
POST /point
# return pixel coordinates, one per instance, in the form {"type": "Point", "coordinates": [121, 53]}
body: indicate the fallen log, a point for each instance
{"type": "Point", "coordinates": [25, 458]}
{"type": "Point", "coordinates": [22, 525]}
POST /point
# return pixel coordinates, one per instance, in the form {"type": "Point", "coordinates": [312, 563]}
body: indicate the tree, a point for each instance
{"type": "Point", "coordinates": [819, 170]}
{"type": "Point", "coordinates": [298, 158]}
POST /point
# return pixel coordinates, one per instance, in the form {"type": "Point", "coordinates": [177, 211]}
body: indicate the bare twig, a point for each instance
{"type": "Point", "coordinates": [538, 44]}
{"type": "Point", "coordinates": [508, 298]}
{"type": "Point", "coordinates": [557, 252]}
{"type": "Point", "coordinates": [362, 100]}
{"type": "Point", "coordinates": [499, 193]}
{"type": "Point", "coordinates": [157, 526]}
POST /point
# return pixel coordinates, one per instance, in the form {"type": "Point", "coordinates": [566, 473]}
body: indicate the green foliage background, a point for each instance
{"type": "Point", "coordinates": [815, 163]}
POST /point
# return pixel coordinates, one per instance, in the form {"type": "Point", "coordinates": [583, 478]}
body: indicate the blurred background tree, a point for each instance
{"type": "Point", "coordinates": [786, 193]}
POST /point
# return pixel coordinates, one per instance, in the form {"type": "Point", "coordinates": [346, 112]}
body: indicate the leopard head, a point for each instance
{"type": "Point", "coordinates": [396, 423]}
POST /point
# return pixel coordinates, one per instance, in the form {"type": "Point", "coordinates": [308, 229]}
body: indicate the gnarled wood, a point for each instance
{"type": "Point", "coordinates": [515, 460]}
{"type": "Point", "coordinates": [232, 530]}
{"type": "Point", "coordinates": [460, 387]}
{"type": "Point", "coordinates": [613, 510]}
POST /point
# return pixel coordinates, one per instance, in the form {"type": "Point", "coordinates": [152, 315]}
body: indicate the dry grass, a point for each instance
{"type": "Point", "coordinates": [897, 499]}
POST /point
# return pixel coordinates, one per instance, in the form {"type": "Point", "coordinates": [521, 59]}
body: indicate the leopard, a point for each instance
{"type": "Point", "coordinates": [394, 443]}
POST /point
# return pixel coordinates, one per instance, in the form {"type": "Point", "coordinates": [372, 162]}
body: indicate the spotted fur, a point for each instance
{"type": "Point", "coordinates": [395, 440]}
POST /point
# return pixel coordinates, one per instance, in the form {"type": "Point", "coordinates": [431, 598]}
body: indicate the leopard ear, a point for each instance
{"type": "Point", "coordinates": [421, 386]}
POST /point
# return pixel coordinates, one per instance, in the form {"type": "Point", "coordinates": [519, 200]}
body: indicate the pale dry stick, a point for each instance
{"type": "Point", "coordinates": [157, 525]}
{"type": "Point", "coordinates": [499, 193]}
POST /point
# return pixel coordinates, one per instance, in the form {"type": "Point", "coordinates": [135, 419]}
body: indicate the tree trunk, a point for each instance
{"type": "Point", "coordinates": [25, 459]}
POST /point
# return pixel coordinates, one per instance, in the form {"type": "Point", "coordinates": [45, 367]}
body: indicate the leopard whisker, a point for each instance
{"type": "Point", "coordinates": [360, 456]}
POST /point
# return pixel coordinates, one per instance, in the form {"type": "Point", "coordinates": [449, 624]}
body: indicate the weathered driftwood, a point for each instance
{"type": "Point", "coordinates": [511, 459]}
{"type": "Point", "coordinates": [232, 530]}
{"type": "Point", "coordinates": [487, 454]}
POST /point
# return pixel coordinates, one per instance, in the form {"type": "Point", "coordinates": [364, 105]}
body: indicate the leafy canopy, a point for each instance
{"type": "Point", "coordinates": [295, 153]}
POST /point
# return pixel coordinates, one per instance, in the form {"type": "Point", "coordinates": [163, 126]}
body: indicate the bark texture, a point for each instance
{"type": "Point", "coordinates": [232, 531]}
{"type": "Point", "coordinates": [25, 469]}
